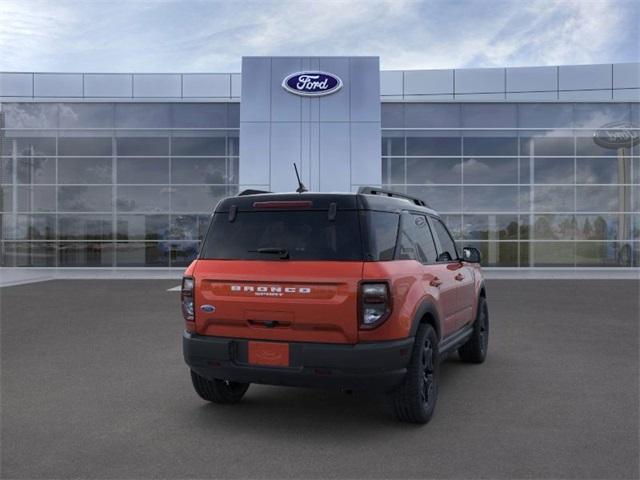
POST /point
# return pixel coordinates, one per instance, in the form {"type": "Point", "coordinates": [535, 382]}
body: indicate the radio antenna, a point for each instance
{"type": "Point", "coordinates": [301, 188]}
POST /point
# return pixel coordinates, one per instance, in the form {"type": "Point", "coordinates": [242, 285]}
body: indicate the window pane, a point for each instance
{"type": "Point", "coordinates": [143, 227]}
{"type": "Point", "coordinates": [32, 146]}
{"type": "Point", "coordinates": [150, 254]}
{"type": "Point", "coordinates": [552, 254]}
{"type": "Point", "coordinates": [415, 241]}
{"type": "Point", "coordinates": [545, 115]}
{"type": "Point", "coordinates": [430, 115]}
{"type": "Point", "coordinates": [553, 170]}
{"type": "Point", "coordinates": [490, 146]}
{"type": "Point", "coordinates": [603, 170]}
{"type": "Point", "coordinates": [489, 115]}
{"type": "Point", "coordinates": [586, 146]}
{"type": "Point", "coordinates": [94, 254]}
{"type": "Point", "coordinates": [447, 245]}
{"type": "Point", "coordinates": [142, 115]}
{"type": "Point", "coordinates": [432, 146]}
{"type": "Point", "coordinates": [434, 170]}
{"type": "Point", "coordinates": [85, 227]}
{"type": "Point", "coordinates": [143, 199]}
{"type": "Point", "coordinates": [30, 115]}
{"type": "Point", "coordinates": [6, 170]}
{"type": "Point", "coordinates": [392, 115]}
{"type": "Point", "coordinates": [84, 146]}
{"type": "Point", "coordinates": [604, 227]}
{"type": "Point", "coordinates": [143, 170]}
{"type": "Point", "coordinates": [143, 146]}
{"type": "Point", "coordinates": [393, 144]}
{"type": "Point", "coordinates": [6, 199]}
{"type": "Point", "coordinates": [598, 114]}
{"type": "Point", "coordinates": [603, 254]}
{"type": "Point", "coordinates": [603, 199]}
{"type": "Point", "coordinates": [393, 170]}
{"type": "Point", "coordinates": [490, 227]}
{"type": "Point", "coordinates": [185, 227]}
{"type": "Point", "coordinates": [83, 115]}
{"type": "Point", "coordinates": [198, 146]}
{"type": "Point", "coordinates": [490, 170]}
{"type": "Point", "coordinates": [233, 115]}
{"type": "Point", "coordinates": [199, 115]}
{"type": "Point", "coordinates": [384, 232]}
{"type": "Point", "coordinates": [36, 199]}
{"type": "Point", "coordinates": [553, 199]}
{"type": "Point", "coordinates": [37, 254]}
{"type": "Point", "coordinates": [454, 224]}
{"type": "Point", "coordinates": [442, 199]}
{"type": "Point", "coordinates": [199, 170]}
{"type": "Point", "coordinates": [196, 199]}
{"type": "Point", "coordinates": [84, 170]}
{"type": "Point", "coordinates": [84, 199]}
{"type": "Point", "coordinates": [546, 146]}
{"type": "Point", "coordinates": [554, 227]}
{"type": "Point", "coordinates": [29, 227]}
{"type": "Point", "coordinates": [36, 170]}
{"type": "Point", "coordinates": [490, 199]}
{"type": "Point", "coordinates": [183, 253]}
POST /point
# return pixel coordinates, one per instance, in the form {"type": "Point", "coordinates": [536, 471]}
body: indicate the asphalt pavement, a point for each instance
{"type": "Point", "coordinates": [93, 385]}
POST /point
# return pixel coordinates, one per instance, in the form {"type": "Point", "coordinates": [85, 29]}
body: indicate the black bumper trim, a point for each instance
{"type": "Point", "coordinates": [376, 366]}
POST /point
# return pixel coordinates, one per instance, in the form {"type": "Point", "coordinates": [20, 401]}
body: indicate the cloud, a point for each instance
{"type": "Point", "coordinates": [199, 35]}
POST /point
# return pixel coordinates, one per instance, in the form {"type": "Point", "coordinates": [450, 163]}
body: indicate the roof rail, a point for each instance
{"type": "Point", "coordinates": [391, 193]}
{"type": "Point", "coordinates": [250, 191]}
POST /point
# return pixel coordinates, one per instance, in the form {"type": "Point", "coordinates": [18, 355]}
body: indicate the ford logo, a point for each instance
{"type": "Point", "coordinates": [208, 308]}
{"type": "Point", "coordinates": [312, 84]}
{"type": "Point", "coordinates": [617, 135]}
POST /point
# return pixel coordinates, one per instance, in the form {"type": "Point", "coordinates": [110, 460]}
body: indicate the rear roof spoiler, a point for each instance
{"type": "Point", "coordinates": [391, 193]}
{"type": "Point", "coordinates": [250, 191]}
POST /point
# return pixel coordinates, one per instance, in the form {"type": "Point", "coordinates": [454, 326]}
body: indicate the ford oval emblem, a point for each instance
{"type": "Point", "coordinates": [617, 135]}
{"type": "Point", "coordinates": [208, 308]}
{"type": "Point", "coordinates": [312, 84]}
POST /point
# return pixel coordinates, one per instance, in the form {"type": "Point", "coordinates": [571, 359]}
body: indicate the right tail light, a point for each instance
{"type": "Point", "coordinates": [374, 303]}
{"type": "Point", "coordinates": [186, 297]}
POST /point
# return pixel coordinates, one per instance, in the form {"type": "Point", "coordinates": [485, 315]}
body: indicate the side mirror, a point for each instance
{"type": "Point", "coordinates": [471, 255]}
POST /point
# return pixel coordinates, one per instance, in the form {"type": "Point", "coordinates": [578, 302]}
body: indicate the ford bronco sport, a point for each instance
{"type": "Point", "coordinates": [363, 291]}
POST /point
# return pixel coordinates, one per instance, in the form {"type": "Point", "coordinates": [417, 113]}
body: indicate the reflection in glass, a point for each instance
{"type": "Point", "coordinates": [28, 227]}
{"type": "Point", "coordinates": [150, 254]}
{"type": "Point", "coordinates": [84, 170]}
{"type": "Point", "coordinates": [442, 199]}
{"type": "Point", "coordinates": [496, 254]}
{"type": "Point", "coordinates": [86, 115]}
{"type": "Point", "coordinates": [30, 115]}
{"type": "Point", "coordinates": [552, 254]}
{"type": "Point", "coordinates": [392, 115]}
{"type": "Point", "coordinates": [489, 115]}
{"type": "Point", "coordinates": [198, 146]}
{"type": "Point", "coordinates": [197, 199]}
{"type": "Point", "coordinates": [554, 227]}
{"type": "Point", "coordinates": [92, 254]}
{"type": "Point", "coordinates": [603, 170]}
{"type": "Point", "coordinates": [432, 115]}
{"type": "Point", "coordinates": [85, 227]}
{"type": "Point", "coordinates": [183, 253]}
{"type": "Point", "coordinates": [604, 227]}
{"type": "Point", "coordinates": [143, 146]}
{"type": "Point", "coordinates": [434, 170]}
{"type": "Point", "coordinates": [603, 198]}
{"type": "Point", "coordinates": [199, 170]}
{"type": "Point", "coordinates": [491, 199]}
{"type": "Point", "coordinates": [553, 199]}
{"type": "Point", "coordinates": [36, 199]}
{"type": "Point", "coordinates": [143, 170]}
{"type": "Point", "coordinates": [84, 199]}
{"type": "Point", "coordinates": [84, 146]}
{"type": "Point", "coordinates": [200, 115]}
{"type": "Point", "coordinates": [142, 115]}
{"type": "Point", "coordinates": [553, 170]}
{"type": "Point", "coordinates": [6, 171]}
{"type": "Point", "coordinates": [490, 146]}
{"type": "Point", "coordinates": [545, 115]}
{"type": "Point", "coordinates": [37, 254]}
{"type": "Point", "coordinates": [490, 227]}
{"type": "Point", "coordinates": [393, 144]}
{"type": "Point", "coordinates": [143, 227]}
{"type": "Point", "coordinates": [540, 145]}
{"type": "Point", "coordinates": [490, 170]}
{"type": "Point", "coordinates": [143, 199]}
{"type": "Point", "coordinates": [36, 170]}
{"type": "Point", "coordinates": [432, 146]}
{"type": "Point", "coordinates": [393, 170]}
{"type": "Point", "coordinates": [604, 254]}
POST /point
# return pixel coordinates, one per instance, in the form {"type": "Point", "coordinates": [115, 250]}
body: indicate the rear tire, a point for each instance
{"type": "Point", "coordinates": [218, 391]}
{"type": "Point", "coordinates": [415, 399]}
{"type": "Point", "coordinates": [475, 349]}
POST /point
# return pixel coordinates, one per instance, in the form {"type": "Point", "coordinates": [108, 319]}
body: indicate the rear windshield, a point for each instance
{"type": "Point", "coordinates": [277, 235]}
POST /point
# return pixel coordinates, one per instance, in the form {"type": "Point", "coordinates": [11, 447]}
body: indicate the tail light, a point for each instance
{"type": "Point", "coordinates": [186, 297]}
{"type": "Point", "coordinates": [375, 304]}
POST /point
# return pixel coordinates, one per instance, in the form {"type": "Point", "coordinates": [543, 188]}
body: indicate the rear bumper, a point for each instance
{"type": "Point", "coordinates": [379, 366]}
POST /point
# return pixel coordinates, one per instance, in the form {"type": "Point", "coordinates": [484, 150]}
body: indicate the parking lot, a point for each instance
{"type": "Point", "coordinates": [94, 386]}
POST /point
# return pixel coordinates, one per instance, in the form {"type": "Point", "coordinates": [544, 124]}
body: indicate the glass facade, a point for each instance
{"type": "Point", "coordinates": [112, 184]}
{"type": "Point", "coordinates": [524, 183]}
{"type": "Point", "coordinates": [133, 184]}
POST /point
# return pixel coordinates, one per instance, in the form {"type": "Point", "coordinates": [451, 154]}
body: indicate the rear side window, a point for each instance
{"type": "Point", "coordinates": [416, 242]}
{"type": "Point", "coordinates": [382, 234]}
{"type": "Point", "coordinates": [303, 235]}
{"type": "Point", "coordinates": [447, 251]}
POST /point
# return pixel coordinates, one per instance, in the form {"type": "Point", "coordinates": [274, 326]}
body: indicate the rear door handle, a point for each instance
{"type": "Point", "coordinates": [459, 277]}
{"type": "Point", "coordinates": [436, 282]}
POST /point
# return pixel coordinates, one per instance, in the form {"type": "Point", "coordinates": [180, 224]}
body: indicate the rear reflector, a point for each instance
{"type": "Point", "coordinates": [284, 204]}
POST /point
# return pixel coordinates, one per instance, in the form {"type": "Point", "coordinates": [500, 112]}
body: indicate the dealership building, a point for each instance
{"type": "Point", "coordinates": [537, 167]}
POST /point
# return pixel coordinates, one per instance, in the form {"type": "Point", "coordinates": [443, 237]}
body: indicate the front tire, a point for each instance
{"type": "Point", "coordinates": [475, 349]}
{"type": "Point", "coordinates": [415, 399]}
{"type": "Point", "coordinates": [218, 391]}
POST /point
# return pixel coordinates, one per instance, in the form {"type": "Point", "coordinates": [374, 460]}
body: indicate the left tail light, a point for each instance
{"type": "Point", "coordinates": [186, 297]}
{"type": "Point", "coordinates": [375, 304]}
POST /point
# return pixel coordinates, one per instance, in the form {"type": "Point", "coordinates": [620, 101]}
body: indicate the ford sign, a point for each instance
{"type": "Point", "coordinates": [617, 135]}
{"type": "Point", "coordinates": [312, 84]}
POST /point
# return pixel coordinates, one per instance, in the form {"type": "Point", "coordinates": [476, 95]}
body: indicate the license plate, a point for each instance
{"type": "Point", "coordinates": [269, 354]}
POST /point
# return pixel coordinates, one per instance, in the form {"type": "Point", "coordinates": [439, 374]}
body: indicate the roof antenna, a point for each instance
{"type": "Point", "coordinates": [301, 188]}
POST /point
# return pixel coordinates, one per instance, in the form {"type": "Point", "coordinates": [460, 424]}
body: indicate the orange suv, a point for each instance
{"type": "Point", "coordinates": [354, 291]}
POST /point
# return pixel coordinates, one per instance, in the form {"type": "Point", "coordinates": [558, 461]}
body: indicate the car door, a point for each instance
{"type": "Point", "coordinates": [416, 243]}
{"type": "Point", "coordinates": [463, 276]}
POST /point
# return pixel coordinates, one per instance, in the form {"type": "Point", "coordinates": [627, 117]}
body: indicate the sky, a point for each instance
{"type": "Point", "coordinates": [212, 36]}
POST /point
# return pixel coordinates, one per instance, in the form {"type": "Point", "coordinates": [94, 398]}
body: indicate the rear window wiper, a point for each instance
{"type": "Point", "coordinates": [283, 252]}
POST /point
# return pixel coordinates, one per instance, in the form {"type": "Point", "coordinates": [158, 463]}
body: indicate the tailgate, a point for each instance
{"type": "Point", "coordinates": [297, 301]}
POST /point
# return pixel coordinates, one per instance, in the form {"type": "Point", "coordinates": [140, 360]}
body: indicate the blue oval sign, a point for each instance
{"type": "Point", "coordinates": [617, 135]}
{"type": "Point", "coordinates": [208, 308]}
{"type": "Point", "coordinates": [312, 84]}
